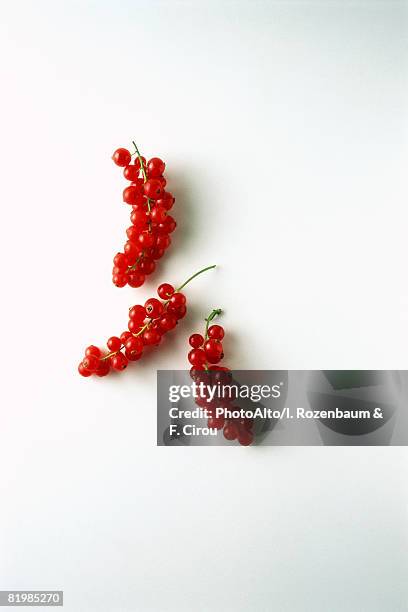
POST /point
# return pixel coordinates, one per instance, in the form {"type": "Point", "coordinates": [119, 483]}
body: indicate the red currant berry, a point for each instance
{"type": "Point", "coordinates": [135, 279]}
{"type": "Point", "coordinates": [166, 200]}
{"type": "Point", "coordinates": [197, 357]}
{"type": "Point", "coordinates": [137, 313]}
{"type": "Point", "coordinates": [213, 346]}
{"type": "Point", "coordinates": [216, 332]}
{"type": "Point", "coordinates": [120, 261]}
{"type": "Point", "coordinates": [157, 253]}
{"type": "Point", "coordinates": [230, 431]}
{"type": "Point", "coordinates": [119, 361]}
{"type": "Point", "coordinates": [125, 336]}
{"type": "Point", "coordinates": [83, 371]}
{"type": "Point", "coordinates": [177, 300]}
{"type": "Point", "coordinates": [164, 291]}
{"type": "Point", "coordinates": [151, 337]}
{"type": "Point", "coordinates": [180, 312]}
{"type": "Point", "coordinates": [132, 233]}
{"type": "Point", "coordinates": [90, 363]}
{"type": "Point", "coordinates": [132, 195]}
{"type": "Point", "coordinates": [139, 219]}
{"type": "Point", "coordinates": [114, 344]}
{"type": "Point", "coordinates": [103, 368]}
{"type": "Point", "coordinates": [132, 251]}
{"type": "Point", "coordinates": [245, 438]}
{"type": "Point", "coordinates": [121, 157]}
{"type": "Point", "coordinates": [158, 214]}
{"type": "Point", "coordinates": [134, 346]}
{"type": "Point", "coordinates": [131, 173]}
{"type": "Point", "coordinates": [152, 189]}
{"type": "Point", "coordinates": [167, 322]}
{"type": "Point", "coordinates": [147, 266]}
{"type": "Point", "coordinates": [155, 167]}
{"type": "Point", "coordinates": [196, 340]}
{"type": "Point", "coordinates": [146, 240]}
{"type": "Point", "coordinates": [120, 280]}
{"type": "Point", "coordinates": [93, 350]}
{"type": "Point", "coordinates": [153, 308]}
{"type": "Point", "coordinates": [163, 241]}
{"type": "Point", "coordinates": [169, 224]}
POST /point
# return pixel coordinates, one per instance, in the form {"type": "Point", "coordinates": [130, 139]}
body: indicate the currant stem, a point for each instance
{"type": "Point", "coordinates": [215, 313]}
{"type": "Point", "coordinates": [139, 157]}
{"type": "Point", "coordinates": [194, 275]}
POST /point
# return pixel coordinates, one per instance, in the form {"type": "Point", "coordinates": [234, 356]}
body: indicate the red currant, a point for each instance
{"type": "Point", "coordinates": [163, 241]}
{"type": "Point", "coordinates": [93, 350]}
{"type": "Point", "coordinates": [119, 361]}
{"type": "Point", "coordinates": [83, 371]}
{"type": "Point", "coordinates": [114, 343]}
{"type": "Point", "coordinates": [137, 313]}
{"type": "Point", "coordinates": [137, 161]}
{"type": "Point", "coordinates": [197, 357]}
{"type": "Point", "coordinates": [119, 280]}
{"type": "Point", "coordinates": [131, 173]}
{"type": "Point", "coordinates": [245, 438]}
{"type": "Point", "coordinates": [146, 240]}
{"type": "Point", "coordinates": [134, 346]}
{"type": "Point", "coordinates": [164, 291]}
{"type": "Point", "coordinates": [230, 431]}
{"type": "Point", "coordinates": [147, 266]}
{"type": "Point", "coordinates": [153, 308]}
{"type": "Point", "coordinates": [136, 279]}
{"type": "Point", "coordinates": [167, 322]}
{"type": "Point", "coordinates": [121, 157]}
{"type": "Point", "coordinates": [216, 332]}
{"type": "Point", "coordinates": [90, 363]}
{"type": "Point", "coordinates": [196, 340]}
{"type": "Point", "coordinates": [120, 261]}
{"type": "Point", "coordinates": [158, 214]}
{"type": "Point", "coordinates": [103, 368]}
{"type": "Point", "coordinates": [132, 195]}
{"type": "Point", "coordinates": [152, 189]}
{"type": "Point", "coordinates": [155, 167]}
{"type": "Point", "coordinates": [177, 300]}
{"type": "Point", "coordinates": [151, 337]}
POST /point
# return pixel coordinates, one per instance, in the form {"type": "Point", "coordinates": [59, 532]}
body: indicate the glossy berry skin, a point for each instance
{"type": "Point", "coordinates": [167, 322]}
{"type": "Point", "coordinates": [131, 251]}
{"type": "Point", "coordinates": [213, 346]}
{"type": "Point", "coordinates": [119, 280]}
{"type": "Point", "coordinates": [196, 340]}
{"type": "Point", "coordinates": [133, 346]}
{"type": "Point", "coordinates": [139, 219]}
{"type": "Point", "coordinates": [121, 157]}
{"type": "Point", "coordinates": [163, 241]}
{"type": "Point", "coordinates": [154, 308]}
{"type": "Point", "coordinates": [83, 371]}
{"type": "Point", "coordinates": [197, 357]}
{"type": "Point", "coordinates": [151, 337]}
{"type": "Point", "coordinates": [146, 240]}
{"type": "Point", "coordinates": [216, 332]}
{"type": "Point", "coordinates": [119, 362]}
{"type": "Point", "coordinates": [90, 363]}
{"type": "Point", "coordinates": [114, 343]}
{"type": "Point", "coordinates": [158, 214]}
{"type": "Point", "coordinates": [152, 189]}
{"type": "Point", "coordinates": [137, 161]}
{"type": "Point", "coordinates": [132, 195]}
{"type": "Point", "coordinates": [131, 173]}
{"type": "Point", "coordinates": [134, 326]}
{"type": "Point", "coordinates": [180, 312]}
{"type": "Point", "coordinates": [124, 336]}
{"type": "Point", "coordinates": [120, 261]}
{"type": "Point", "coordinates": [155, 167]}
{"type": "Point", "coordinates": [177, 300]}
{"type": "Point", "coordinates": [147, 266]}
{"type": "Point", "coordinates": [135, 279]}
{"type": "Point", "coordinates": [165, 291]}
{"type": "Point", "coordinates": [137, 313]}
{"type": "Point", "coordinates": [103, 368]}
{"type": "Point", "coordinates": [93, 350]}
{"type": "Point", "coordinates": [166, 200]}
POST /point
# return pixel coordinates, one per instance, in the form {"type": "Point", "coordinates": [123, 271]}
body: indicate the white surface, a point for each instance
{"type": "Point", "coordinates": [284, 129]}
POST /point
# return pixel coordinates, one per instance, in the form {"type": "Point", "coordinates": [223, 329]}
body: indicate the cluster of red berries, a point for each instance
{"type": "Point", "coordinates": [206, 352]}
{"type": "Point", "coordinates": [146, 326]}
{"type": "Point", "coordinates": [148, 236]}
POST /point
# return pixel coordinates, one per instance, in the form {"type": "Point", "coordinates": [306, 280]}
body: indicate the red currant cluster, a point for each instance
{"type": "Point", "coordinates": [148, 236]}
{"type": "Point", "coordinates": [206, 352]}
{"type": "Point", "coordinates": [146, 326]}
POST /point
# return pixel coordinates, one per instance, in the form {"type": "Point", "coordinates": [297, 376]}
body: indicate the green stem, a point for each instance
{"type": "Point", "coordinates": [211, 316]}
{"type": "Point", "coordinates": [139, 157]}
{"type": "Point", "coordinates": [194, 275]}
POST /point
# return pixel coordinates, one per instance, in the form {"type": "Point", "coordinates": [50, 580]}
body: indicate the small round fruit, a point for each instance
{"type": "Point", "coordinates": [120, 280]}
{"type": "Point", "coordinates": [196, 340]}
{"type": "Point", "coordinates": [197, 357]}
{"type": "Point", "coordinates": [119, 361]}
{"type": "Point", "coordinates": [132, 195]}
{"type": "Point", "coordinates": [83, 371]}
{"type": "Point", "coordinates": [131, 173]}
{"type": "Point", "coordinates": [155, 167]}
{"type": "Point", "coordinates": [165, 291]}
{"type": "Point", "coordinates": [121, 157]}
{"type": "Point", "coordinates": [167, 322]}
{"type": "Point", "coordinates": [230, 431]}
{"type": "Point", "coordinates": [137, 313]}
{"type": "Point", "coordinates": [151, 337]}
{"type": "Point", "coordinates": [245, 438]}
{"type": "Point", "coordinates": [93, 350]}
{"type": "Point", "coordinates": [153, 308]}
{"type": "Point", "coordinates": [136, 279]}
{"type": "Point", "coordinates": [152, 189]}
{"type": "Point", "coordinates": [146, 240]}
{"type": "Point", "coordinates": [216, 332]}
{"type": "Point", "coordinates": [134, 346]}
{"type": "Point", "coordinates": [90, 363]}
{"type": "Point", "coordinates": [103, 368]}
{"type": "Point", "coordinates": [158, 214]}
{"type": "Point", "coordinates": [114, 343]}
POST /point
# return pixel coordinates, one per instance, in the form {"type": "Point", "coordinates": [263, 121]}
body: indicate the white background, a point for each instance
{"type": "Point", "coordinates": [284, 129]}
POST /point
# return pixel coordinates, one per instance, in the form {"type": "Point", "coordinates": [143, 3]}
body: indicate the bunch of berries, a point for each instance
{"type": "Point", "coordinates": [146, 326]}
{"type": "Point", "coordinates": [205, 354]}
{"type": "Point", "coordinates": [148, 236]}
